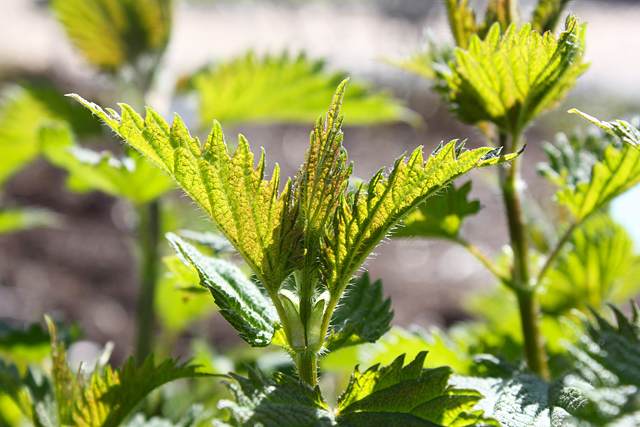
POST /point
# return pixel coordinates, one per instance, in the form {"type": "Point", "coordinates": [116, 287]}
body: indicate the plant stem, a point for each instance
{"type": "Point", "coordinates": [307, 362]}
{"type": "Point", "coordinates": [149, 233]}
{"type": "Point", "coordinates": [529, 307]}
{"type": "Point", "coordinates": [556, 251]}
{"type": "Point", "coordinates": [485, 260]}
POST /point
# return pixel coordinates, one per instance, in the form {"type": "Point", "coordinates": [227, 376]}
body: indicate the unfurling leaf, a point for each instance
{"type": "Point", "coordinates": [246, 209]}
{"type": "Point", "coordinates": [366, 216]}
{"type": "Point", "coordinates": [131, 177]}
{"type": "Point", "coordinates": [240, 300]}
{"type": "Point", "coordinates": [114, 33]}
{"type": "Point", "coordinates": [363, 316]}
{"type": "Point", "coordinates": [285, 89]}
{"type": "Point", "coordinates": [627, 132]}
{"type": "Point", "coordinates": [442, 216]}
{"type": "Point", "coordinates": [511, 79]}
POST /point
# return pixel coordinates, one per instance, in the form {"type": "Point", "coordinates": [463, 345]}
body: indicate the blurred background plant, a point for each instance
{"type": "Point", "coordinates": [130, 51]}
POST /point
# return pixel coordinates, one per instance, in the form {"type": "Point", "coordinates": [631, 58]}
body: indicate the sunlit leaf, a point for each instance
{"type": "Point", "coordinates": [626, 131]}
{"type": "Point", "coordinates": [24, 109]}
{"type": "Point", "coordinates": [409, 395]}
{"type": "Point", "coordinates": [20, 219]}
{"type": "Point", "coordinates": [363, 316]}
{"type": "Point", "coordinates": [240, 300]}
{"type": "Point", "coordinates": [511, 79]}
{"type": "Point", "coordinates": [367, 215]}
{"type": "Point", "coordinates": [248, 210]}
{"type": "Point", "coordinates": [130, 177]}
{"type": "Point", "coordinates": [113, 33]}
{"type": "Point", "coordinates": [462, 21]}
{"type": "Point", "coordinates": [285, 89]}
{"type": "Point", "coordinates": [597, 266]}
{"type": "Point", "coordinates": [442, 216]}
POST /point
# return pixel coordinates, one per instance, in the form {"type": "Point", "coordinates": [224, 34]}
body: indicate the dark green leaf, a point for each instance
{"type": "Point", "coordinates": [362, 316]}
{"type": "Point", "coordinates": [280, 401]}
{"type": "Point", "coordinates": [442, 216]}
{"type": "Point", "coordinates": [286, 90]}
{"type": "Point", "coordinates": [240, 300]}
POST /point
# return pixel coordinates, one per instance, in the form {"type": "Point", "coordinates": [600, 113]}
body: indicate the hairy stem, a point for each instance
{"type": "Point", "coordinates": [529, 307]}
{"type": "Point", "coordinates": [556, 252]}
{"type": "Point", "coordinates": [486, 261]}
{"type": "Point", "coordinates": [149, 233]}
{"type": "Point", "coordinates": [307, 362]}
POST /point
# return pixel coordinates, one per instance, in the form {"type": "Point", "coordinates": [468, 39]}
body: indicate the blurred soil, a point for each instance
{"type": "Point", "coordinates": [84, 269]}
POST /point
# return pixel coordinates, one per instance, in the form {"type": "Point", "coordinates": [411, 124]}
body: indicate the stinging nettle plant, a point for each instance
{"type": "Point", "coordinates": [304, 243]}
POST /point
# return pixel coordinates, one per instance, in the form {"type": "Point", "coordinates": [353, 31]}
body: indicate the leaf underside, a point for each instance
{"type": "Point", "coordinates": [240, 300]}
{"type": "Point", "coordinates": [624, 130]}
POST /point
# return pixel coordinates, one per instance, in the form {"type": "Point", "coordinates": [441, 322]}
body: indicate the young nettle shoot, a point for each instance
{"type": "Point", "coordinates": [315, 233]}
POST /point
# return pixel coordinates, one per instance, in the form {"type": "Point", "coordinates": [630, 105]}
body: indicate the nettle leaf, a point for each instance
{"type": "Point", "coordinates": [511, 79]}
{"type": "Point", "coordinates": [607, 358]}
{"type": "Point", "coordinates": [14, 385]}
{"type": "Point", "coordinates": [114, 33]}
{"type": "Point", "coordinates": [130, 177]}
{"type": "Point", "coordinates": [571, 158]}
{"type": "Point", "coordinates": [597, 266]}
{"type": "Point", "coordinates": [24, 109]}
{"type": "Point", "coordinates": [520, 400]}
{"type": "Point", "coordinates": [384, 396]}
{"type": "Point", "coordinates": [547, 14]}
{"type": "Point", "coordinates": [626, 131]}
{"type": "Point", "coordinates": [278, 401]}
{"type": "Point", "coordinates": [363, 316]}
{"type": "Point", "coordinates": [462, 21]}
{"type": "Point", "coordinates": [244, 207]}
{"type": "Point", "coordinates": [367, 215]}
{"type": "Point", "coordinates": [442, 216]}
{"type": "Point", "coordinates": [20, 219]}
{"type": "Point", "coordinates": [409, 395]}
{"type": "Point", "coordinates": [109, 396]}
{"type": "Point", "coordinates": [240, 300]}
{"type": "Point", "coordinates": [617, 172]}
{"type": "Point", "coordinates": [285, 89]}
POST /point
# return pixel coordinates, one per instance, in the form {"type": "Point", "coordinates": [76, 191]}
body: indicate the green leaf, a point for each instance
{"type": "Point", "coordinates": [607, 359]}
{"type": "Point", "coordinates": [617, 172]}
{"type": "Point", "coordinates": [503, 12]}
{"type": "Point", "coordinates": [367, 215]}
{"type": "Point", "coordinates": [20, 219]}
{"type": "Point", "coordinates": [411, 395]}
{"type": "Point", "coordinates": [547, 14]}
{"type": "Point", "coordinates": [280, 401]}
{"type": "Point", "coordinates": [131, 177]}
{"type": "Point", "coordinates": [627, 132]}
{"type": "Point", "coordinates": [363, 316]}
{"type": "Point", "coordinates": [521, 400]}
{"type": "Point", "coordinates": [246, 209]}
{"type": "Point", "coordinates": [378, 397]}
{"type": "Point", "coordinates": [23, 345]}
{"type": "Point", "coordinates": [424, 62]}
{"type": "Point", "coordinates": [113, 33]}
{"type": "Point", "coordinates": [240, 300]}
{"type": "Point", "coordinates": [15, 387]}
{"type": "Point", "coordinates": [285, 89]}
{"type": "Point", "coordinates": [442, 216]}
{"type": "Point", "coordinates": [597, 266]}
{"type": "Point", "coordinates": [511, 79]}
{"type": "Point", "coordinates": [24, 109]}
{"type": "Point", "coordinates": [462, 20]}
{"type": "Point", "coordinates": [179, 298]}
